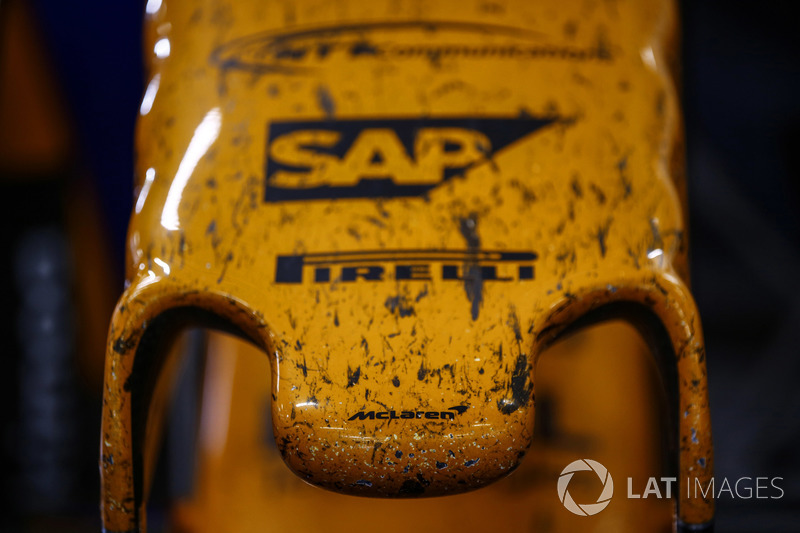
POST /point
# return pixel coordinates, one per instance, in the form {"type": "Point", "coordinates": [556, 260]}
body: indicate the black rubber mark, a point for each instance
{"type": "Point", "coordinates": [521, 388]}
{"type": "Point", "coordinates": [353, 376]}
{"type": "Point", "coordinates": [399, 305]}
{"type": "Point", "coordinates": [576, 188]}
{"type": "Point", "coordinates": [473, 275]}
{"type": "Point", "coordinates": [325, 101]}
{"type": "Point", "coordinates": [601, 240]}
{"type": "Point", "coordinates": [122, 345]}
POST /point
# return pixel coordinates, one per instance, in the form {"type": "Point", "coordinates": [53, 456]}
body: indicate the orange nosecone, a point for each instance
{"type": "Point", "coordinates": [401, 205]}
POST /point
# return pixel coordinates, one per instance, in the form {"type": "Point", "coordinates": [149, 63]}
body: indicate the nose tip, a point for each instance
{"type": "Point", "coordinates": [407, 452]}
{"type": "Point", "coordinates": [405, 414]}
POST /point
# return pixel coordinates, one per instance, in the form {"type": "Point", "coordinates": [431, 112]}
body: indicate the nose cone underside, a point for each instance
{"type": "Point", "coordinates": [445, 410]}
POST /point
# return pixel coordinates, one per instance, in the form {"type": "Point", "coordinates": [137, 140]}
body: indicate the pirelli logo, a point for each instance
{"type": "Point", "coordinates": [406, 265]}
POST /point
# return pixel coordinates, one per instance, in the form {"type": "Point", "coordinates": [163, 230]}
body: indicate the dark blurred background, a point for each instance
{"type": "Point", "coordinates": [741, 86]}
{"type": "Point", "coordinates": [741, 78]}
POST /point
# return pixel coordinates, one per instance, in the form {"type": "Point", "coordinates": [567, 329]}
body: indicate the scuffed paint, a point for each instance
{"type": "Point", "coordinates": [404, 226]}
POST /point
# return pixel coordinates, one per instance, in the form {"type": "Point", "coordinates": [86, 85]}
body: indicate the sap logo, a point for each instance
{"type": "Point", "coordinates": [382, 158]}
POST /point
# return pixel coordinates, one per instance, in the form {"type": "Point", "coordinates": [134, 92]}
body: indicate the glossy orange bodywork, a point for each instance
{"type": "Point", "coordinates": [403, 205]}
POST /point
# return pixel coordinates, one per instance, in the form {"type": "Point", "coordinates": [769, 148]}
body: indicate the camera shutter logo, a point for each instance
{"type": "Point", "coordinates": [586, 509]}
